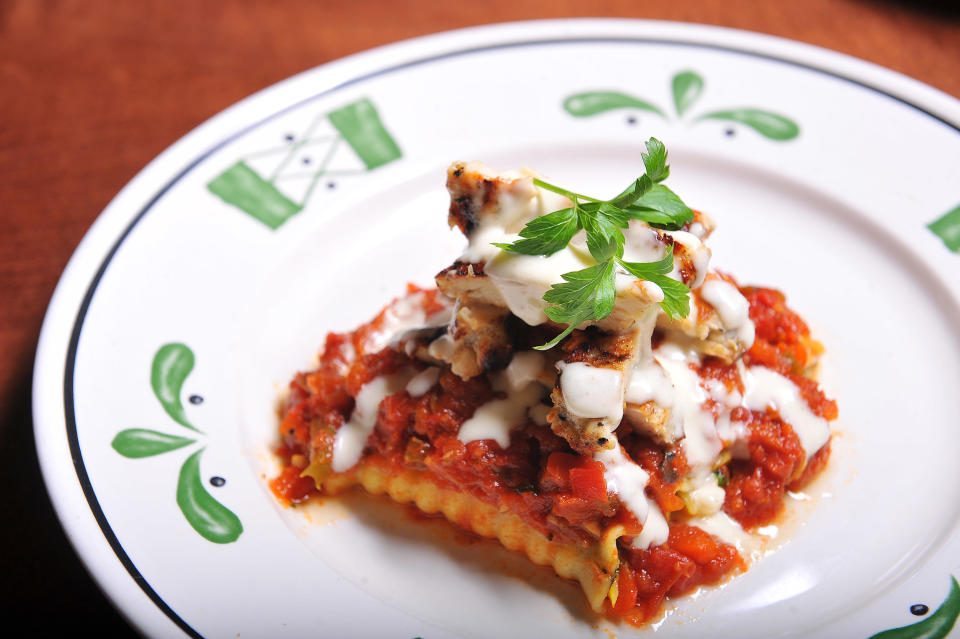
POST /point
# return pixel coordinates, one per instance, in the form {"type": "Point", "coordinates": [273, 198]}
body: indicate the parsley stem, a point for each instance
{"type": "Point", "coordinates": [562, 191]}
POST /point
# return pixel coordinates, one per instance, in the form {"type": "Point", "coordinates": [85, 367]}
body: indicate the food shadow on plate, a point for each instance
{"type": "Point", "coordinates": [403, 525]}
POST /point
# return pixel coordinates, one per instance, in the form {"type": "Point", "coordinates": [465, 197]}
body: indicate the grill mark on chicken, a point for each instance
{"type": "Point", "coordinates": [618, 351]}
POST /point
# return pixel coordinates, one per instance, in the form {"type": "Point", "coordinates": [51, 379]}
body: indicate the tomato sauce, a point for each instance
{"type": "Point", "coordinates": [756, 487]}
{"type": "Point", "coordinates": [538, 476]}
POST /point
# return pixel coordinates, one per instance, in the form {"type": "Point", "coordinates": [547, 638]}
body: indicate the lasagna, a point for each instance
{"type": "Point", "coordinates": [617, 457]}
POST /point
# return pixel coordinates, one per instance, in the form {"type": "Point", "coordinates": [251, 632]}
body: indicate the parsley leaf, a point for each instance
{"type": "Point", "coordinates": [655, 160]}
{"type": "Point", "coordinates": [633, 192]}
{"type": "Point", "coordinates": [546, 234]}
{"type": "Point", "coordinates": [602, 223]}
{"type": "Point", "coordinates": [586, 294]}
{"type": "Point", "coordinates": [590, 293]}
{"type": "Point", "coordinates": [676, 295]}
{"type": "Point", "coordinates": [662, 200]}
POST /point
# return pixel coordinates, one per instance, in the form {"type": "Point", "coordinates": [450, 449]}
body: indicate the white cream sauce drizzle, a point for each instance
{"type": "Point", "coordinates": [673, 384]}
{"type": "Point", "coordinates": [423, 381]}
{"type": "Point", "coordinates": [650, 382]}
{"type": "Point", "coordinates": [699, 256]}
{"type": "Point", "coordinates": [352, 436]}
{"type": "Point", "coordinates": [728, 530]}
{"type": "Point", "coordinates": [442, 348]}
{"type": "Point", "coordinates": [521, 280]}
{"type": "Point", "coordinates": [538, 413]}
{"type": "Point", "coordinates": [590, 391]}
{"type": "Point", "coordinates": [701, 443]}
{"type": "Point", "coordinates": [628, 481]}
{"type": "Point", "coordinates": [732, 307]}
{"type": "Point", "coordinates": [641, 244]}
{"type": "Point", "coordinates": [525, 367]}
{"type": "Point", "coordinates": [655, 530]}
{"type": "Point", "coordinates": [764, 387]}
{"type": "Point", "coordinates": [495, 419]}
{"type": "Point", "coordinates": [403, 315]}
{"type": "Point", "coordinates": [706, 496]}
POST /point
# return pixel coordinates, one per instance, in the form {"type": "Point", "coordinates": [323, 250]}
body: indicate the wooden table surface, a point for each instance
{"type": "Point", "coordinates": [90, 91]}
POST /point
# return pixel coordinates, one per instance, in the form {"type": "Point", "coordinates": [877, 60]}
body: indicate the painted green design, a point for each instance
{"type": "Point", "coordinates": [139, 442]}
{"type": "Point", "coordinates": [171, 365]}
{"type": "Point", "coordinates": [582, 105]}
{"type": "Point", "coordinates": [360, 125]}
{"type": "Point", "coordinates": [947, 228]}
{"type": "Point", "coordinates": [687, 87]}
{"type": "Point", "coordinates": [936, 626]}
{"type": "Point", "coordinates": [266, 196]}
{"type": "Point", "coordinates": [214, 521]}
{"type": "Point", "coordinates": [242, 187]}
{"type": "Point", "coordinates": [772, 125]}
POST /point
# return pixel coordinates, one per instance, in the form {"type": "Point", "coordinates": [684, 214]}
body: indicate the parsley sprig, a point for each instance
{"type": "Point", "coordinates": [590, 293]}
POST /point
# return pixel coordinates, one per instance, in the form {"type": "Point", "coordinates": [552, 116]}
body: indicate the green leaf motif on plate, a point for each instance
{"type": "Point", "coordinates": [214, 521]}
{"type": "Point", "coordinates": [936, 626]}
{"type": "Point", "coordinates": [171, 366]}
{"type": "Point", "coordinates": [687, 88]}
{"type": "Point", "coordinates": [771, 125]}
{"type": "Point", "coordinates": [136, 443]}
{"type": "Point", "coordinates": [267, 183]}
{"type": "Point", "coordinates": [947, 228]}
{"type": "Point", "coordinates": [243, 187]}
{"type": "Point", "coordinates": [591, 103]}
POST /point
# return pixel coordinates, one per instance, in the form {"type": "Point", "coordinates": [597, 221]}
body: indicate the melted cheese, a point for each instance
{"type": "Point", "coordinates": [442, 348]}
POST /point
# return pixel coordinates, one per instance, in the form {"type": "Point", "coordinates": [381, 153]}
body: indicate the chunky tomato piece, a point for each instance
{"type": "Point", "coordinates": [755, 489]}
{"type": "Point", "coordinates": [582, 476]}
{"type": "Point", "coordinates": [556, 474]}
{"type": "Point", "coordinates": [587, 481]}
{"type": "Point", "coordinates": [626, 591]}
{"type": "Point", "coordinates": [290, 487]}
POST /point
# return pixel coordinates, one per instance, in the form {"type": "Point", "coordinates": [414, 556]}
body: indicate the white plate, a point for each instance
{"type": "Point", "coordinates": [235, 245]}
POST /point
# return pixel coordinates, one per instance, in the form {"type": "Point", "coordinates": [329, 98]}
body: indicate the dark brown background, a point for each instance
{"type": "Point", "coordinates": [90, 91]}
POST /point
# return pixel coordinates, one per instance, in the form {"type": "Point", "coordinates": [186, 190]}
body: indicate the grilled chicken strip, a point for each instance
{"type": "Point", "coordinates": [588, 397]}
{"type": "Point", "coordinates": [489, 207]}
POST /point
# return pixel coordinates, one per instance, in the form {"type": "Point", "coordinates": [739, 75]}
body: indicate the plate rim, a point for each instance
{"type": "Point", "coordinates": [85, 523]}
